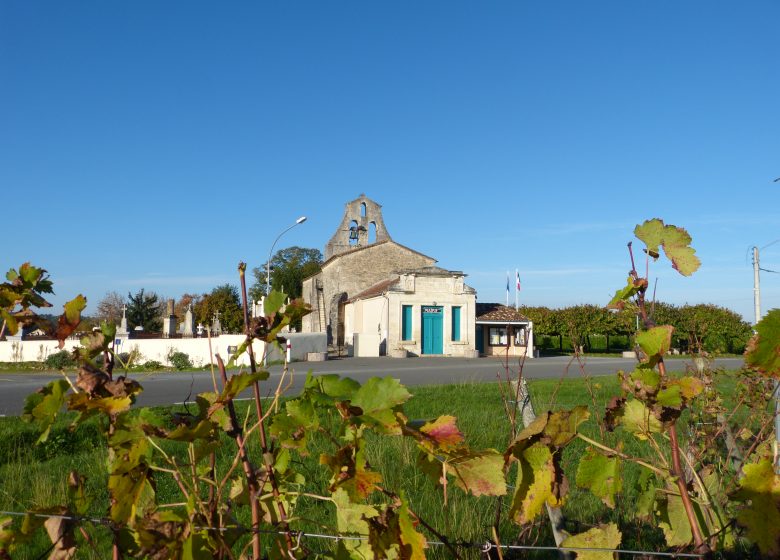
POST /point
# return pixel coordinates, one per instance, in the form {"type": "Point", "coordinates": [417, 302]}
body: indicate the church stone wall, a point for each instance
{"type": "Point", "coordinates": [351, 273]}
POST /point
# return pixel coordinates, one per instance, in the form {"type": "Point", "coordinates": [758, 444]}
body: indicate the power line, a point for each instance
{"type": "Point", "coordinates": [484, 547]}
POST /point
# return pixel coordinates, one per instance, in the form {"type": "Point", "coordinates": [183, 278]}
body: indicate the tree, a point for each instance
{"type": "Point", "coordinates": [180, 309]}
{"type": "Point", "coordinates": [226, 300]}
{"type": "Point", "coordinates": [109, 308]}
{"type": "Point", "coordinates": [144, 310]}
{"type": "Point", "coordinates": [289, 267]}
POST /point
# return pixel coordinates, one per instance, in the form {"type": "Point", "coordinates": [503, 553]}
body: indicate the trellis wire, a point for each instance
{"type": "Point", "coordinates": [484, 547]}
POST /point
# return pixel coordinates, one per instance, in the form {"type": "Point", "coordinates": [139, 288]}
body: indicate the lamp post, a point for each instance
{"type": "Point", "coordinates": [268, 262]}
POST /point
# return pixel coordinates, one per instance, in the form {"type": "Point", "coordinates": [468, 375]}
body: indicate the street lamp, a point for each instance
{"type": "Point", "coordinates": [268, 263]}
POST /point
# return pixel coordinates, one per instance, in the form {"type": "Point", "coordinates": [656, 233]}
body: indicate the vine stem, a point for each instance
{"type": "Point", "coordinates": [677, 470]}
{"type": "Point", "coordinates": [249, 471]}
{"type": "Point", "coordinates": [267, 455]}
{"type": "Point", "coordinates": [622, 455]}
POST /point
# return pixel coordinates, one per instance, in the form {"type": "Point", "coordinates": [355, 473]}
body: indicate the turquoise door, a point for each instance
{"type": "Point", "coordinates": [480, 340]}
{"type": "Point", "coordinates": [432, 329]}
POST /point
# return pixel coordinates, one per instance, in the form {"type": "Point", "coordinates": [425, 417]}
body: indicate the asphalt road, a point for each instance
{"type": "Point", "coordinates": [170, 388]}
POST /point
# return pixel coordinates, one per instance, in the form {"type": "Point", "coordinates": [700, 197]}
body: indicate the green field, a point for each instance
{"type": "Point", "coordinates": [34, 476]}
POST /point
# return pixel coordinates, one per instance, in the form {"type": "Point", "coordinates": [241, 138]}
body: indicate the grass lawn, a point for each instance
{"type": "Point", "coordinates": [34, 476]}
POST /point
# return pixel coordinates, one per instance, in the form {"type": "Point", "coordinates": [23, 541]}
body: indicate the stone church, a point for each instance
{"type": "Point", "coordinates": [364, 264]}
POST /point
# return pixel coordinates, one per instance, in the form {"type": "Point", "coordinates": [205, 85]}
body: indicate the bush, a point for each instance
{"type": "Point", "coordinates": [180, 360]}
{"type": "Point", "coordinates": [60, 360]}
{"type": "Point", "coordinates": [152, 365]}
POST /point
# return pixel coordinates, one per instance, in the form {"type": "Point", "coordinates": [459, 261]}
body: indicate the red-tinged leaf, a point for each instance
{"type": "Point", "coordinates": [618, 301]}
{"type": "Point", "coordinates": [481, 474]}
{"type": "Point", "coordinates": [444, 432]}
{"type": "Point", "coordinates": [70, 319]}
{"type": "Point", "coordinates": [675, 241]}
{"type": "Point", "coordinates": [351, 471]}
{"type": "Point", "coordinates": [763, 351]}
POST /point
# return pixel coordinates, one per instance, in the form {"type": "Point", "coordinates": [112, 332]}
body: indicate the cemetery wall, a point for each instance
{"type": "Point", "coordinates": [159, 349]}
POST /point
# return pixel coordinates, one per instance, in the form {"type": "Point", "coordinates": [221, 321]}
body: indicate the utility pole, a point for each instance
{"type": "Point", "coordinates": [756, 286]}
{"type": "Point", "coordinates": [757, 305]}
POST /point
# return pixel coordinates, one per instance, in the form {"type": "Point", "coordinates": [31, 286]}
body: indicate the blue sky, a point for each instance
{"type": "Point", "coordinates": [156, 144]}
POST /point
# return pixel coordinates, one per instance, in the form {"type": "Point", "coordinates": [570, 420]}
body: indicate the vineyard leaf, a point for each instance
{"type": "Point", "coordinates": [637, 419]}
{"type": "Point", "coordinates": [562, 426]}
{"type": "Point", "coordinates": [205, 429]}
{"type": "Point", "coordinates": [10, 322]}
{"type": "Point", "coordinates": [645, 500]}
{"type": "Point", "coordinates": [273, 302]}
{"type": "Point", "coordinates": [70, 319]}
{"type": "Point", "coordinates": [444, 432]}
{"type": "Point", "coordinates": [196, 546]}
{"type": "Point", "coordinates": [601, 475]}
{"type": "Point", "coordinates": [655, 341]}
{"type": "Point", "coordinates": [82, 402]}
{"type": "Point", "coordinates": [618, 301]}
{"type": "Point", "coordinates": [684, 259]}
{"type": "Point", "coordinates": [351, 519]}
{"type": "Point", "coordinates": [351, 471]}
{"type": "Point", "coordinates": [603, 536]}
{"type": "Point", "coordinates": [377, 398]}
{"type": "Point", "coordinates": [413, 544]}
{"type": "Point", "coordinates": [481, 473]}
{"type": "Point", "coordinates": [673, 521]}
{"type": "Point", "coordinates": [238, 383]}
{"type": "Point", "coordinates": [646, 379]}
{"type": "Point", "coordinates": [652, 233]}
{"type": "Point", "coordinates": [670, 397]}
{"type": "Point", "coordinates": [291, 427]}
{"type": "Point", "coordinates": [331, 386]}
{"type": "Point", "coordinates": [761, 488]}
{"type": "Point", "coordinates": [534, 486]}
{"type": "Point", "coordinates": [43, 406]}
{"type": "Point", "coordinates": [675, 241]}
{"type": "Point", "coordinates": [763, 351]}
{"type": "Point", "coordinates": [690, 387]}
{"type": "Point", "coordinates": [132, 494]}
{"type": "Point", "coordinates": [676, 244]}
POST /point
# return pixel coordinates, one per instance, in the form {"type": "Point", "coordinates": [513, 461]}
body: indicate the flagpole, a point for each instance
{"type": "Point", "coordinates": [517, 276]}
{"type": "Point", "coordinates": [507, 288]}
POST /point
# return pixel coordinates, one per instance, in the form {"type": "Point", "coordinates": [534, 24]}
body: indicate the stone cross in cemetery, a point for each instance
{"type": "Point", "coordinates": [216, 327]}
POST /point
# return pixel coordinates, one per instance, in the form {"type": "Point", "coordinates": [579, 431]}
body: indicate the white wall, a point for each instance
{"type": "Point", "coordinates": [158, 349]}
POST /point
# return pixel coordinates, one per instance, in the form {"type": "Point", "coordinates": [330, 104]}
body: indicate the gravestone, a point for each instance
{"type": "Point", "coordinates": [169, 322]}
{"type": "Point", "coordinates": [189, 323]}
